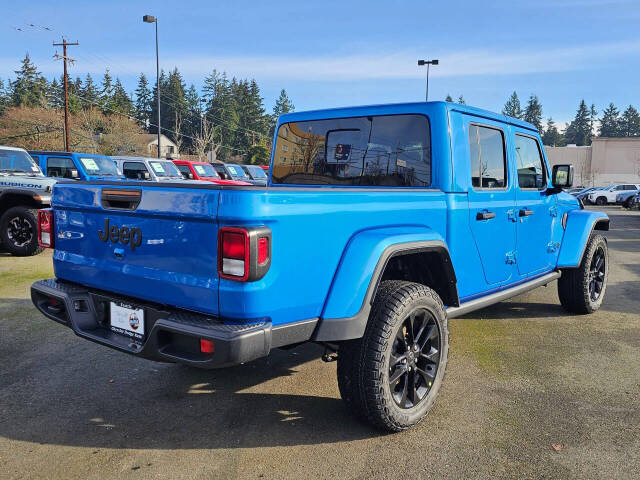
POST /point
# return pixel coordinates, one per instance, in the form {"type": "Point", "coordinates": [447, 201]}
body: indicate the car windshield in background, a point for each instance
{"type": "Point", "coordinates": [99, 166]}
{"type": "Point", "coordinates": [205, 170]}
{"type": "Point", "coordinates": [236, 171]}
{"type": "Point", "coordinates": [256, 172]}
{"type": "Point", "coordinates": [15, 161]}
{"type": "Point", "coordinates": [165, 169]}
{"type": "Point", "coordinates": [389, 150]}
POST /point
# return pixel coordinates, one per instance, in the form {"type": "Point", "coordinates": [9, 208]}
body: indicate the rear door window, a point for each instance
{"type": "Point", "coordinates": [487, 156]}
{"type": "Point", "coordinates": [184, 170]}
{"type": "Point", "coordinates": [135, 171]}
{"type": "Point", "coordinates": [531, 170]}
{"type": "Point", "coordinates": [389, 151]}
{"type": "Point", "coordinates": [60, 167]}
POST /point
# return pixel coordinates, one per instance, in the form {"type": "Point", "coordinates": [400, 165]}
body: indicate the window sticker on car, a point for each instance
{"type": "Point", "coordinates": [199, 169]}
{"type": "Point", "coordinates": [158, 167]}
{"type": "Point", "coordinates": [90, 164]}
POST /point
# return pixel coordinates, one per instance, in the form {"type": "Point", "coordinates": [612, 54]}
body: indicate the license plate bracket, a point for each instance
{"type": "Point", "coordinates": [127, 320]}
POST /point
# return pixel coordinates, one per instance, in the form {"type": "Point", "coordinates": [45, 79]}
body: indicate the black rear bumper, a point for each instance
{"type": "Point", "coordinates": [172, 335]}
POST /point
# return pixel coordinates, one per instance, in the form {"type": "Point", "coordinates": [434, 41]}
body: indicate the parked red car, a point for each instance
{"type": "Point", "coordinates": [203, 171]}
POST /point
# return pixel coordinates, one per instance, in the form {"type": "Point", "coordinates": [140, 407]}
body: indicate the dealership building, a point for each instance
{"type": "Point", "coordinates": [606, 161]}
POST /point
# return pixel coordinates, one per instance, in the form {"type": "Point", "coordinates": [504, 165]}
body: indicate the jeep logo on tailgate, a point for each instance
{"type": "Point", "coordinates": [124, 235]}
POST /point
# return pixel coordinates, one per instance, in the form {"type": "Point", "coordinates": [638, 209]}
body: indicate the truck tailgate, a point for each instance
{"type": "Point", "coordinates": [157, 243]}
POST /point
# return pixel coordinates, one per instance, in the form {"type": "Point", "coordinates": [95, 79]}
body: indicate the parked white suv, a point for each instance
{"type": "Point", "coordinates": [608, 194]}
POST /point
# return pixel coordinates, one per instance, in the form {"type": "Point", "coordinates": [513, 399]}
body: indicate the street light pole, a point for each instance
{"type": "Point", "coordinates": [152, 19]}
{"type": "Point", "coordinates": [428, 63]}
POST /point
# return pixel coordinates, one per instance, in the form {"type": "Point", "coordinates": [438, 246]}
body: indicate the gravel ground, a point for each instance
{"type": "Point", "coordinates": [522, 375]}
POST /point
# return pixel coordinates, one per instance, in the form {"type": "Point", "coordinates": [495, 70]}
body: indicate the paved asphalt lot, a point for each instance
{"type": "Point", "coordinates": [522, 375]}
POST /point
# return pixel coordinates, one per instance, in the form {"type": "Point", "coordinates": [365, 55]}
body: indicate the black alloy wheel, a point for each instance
{"type": "Point", "coordinates": [19, 231]}
{"type": "Point", "coordinates": [597, 271]}
{"type": "Point", "coordinates": [414, 359]}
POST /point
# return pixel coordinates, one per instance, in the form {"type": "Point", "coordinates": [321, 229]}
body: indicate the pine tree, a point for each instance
{"type": "Point", "coordinates": [29, 88]}
{"type": "Point", "coordinates": [533, 113]}
{"type": "Point", "coordinates": [173, 110]}
{"type": "Point", "coordinates": [552, 137]}
{"type": "Point", "coordinates": [106, 95]}
{"type": "Point", "coordinates": [461, 100]}
{"type": "Point", "coordinates": [143, 102]}
{"type": "Point", "coordinates": [221, 110]}
{"type": "Point", "coordinates": [448, 98]}
{"type": "Point", "coordinates": [610, 122]}
{"type": "Point", "coordinates": [56, 94]}
{"type": "Point", "coordinates": [90, 96]}
{"type": "Point", "coordinates": [193, 126]}
{"type": "Point", "coordinates": [579, 130]}
{"type": "Point", "coordinates": [630, 122]}
{"type": "Point", "coordinates": [4, 98]}
{"type": "Point", "coordinates": [120, 101]}
{"type": "Point", "coordinates": [153, 128]}
{"type": "Point", "coordinates": [283, 104]}
{"type": "Point", "coordinates": [512, 107]}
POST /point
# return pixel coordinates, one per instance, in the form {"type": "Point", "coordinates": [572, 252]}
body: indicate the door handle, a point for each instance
{"type": "Point", "coordinates": [485, 215]}
{"type": "Point", "coordinates": [525, 213]}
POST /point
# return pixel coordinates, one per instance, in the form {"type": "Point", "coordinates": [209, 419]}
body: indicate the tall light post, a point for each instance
{"type": "Point", "coordinates": [428, 63]}
{"type": "Point", "coordinates": [152, 19]}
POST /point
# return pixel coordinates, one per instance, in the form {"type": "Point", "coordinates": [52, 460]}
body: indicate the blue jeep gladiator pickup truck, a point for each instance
{"type": "Point", "coordinates": [378, 224]}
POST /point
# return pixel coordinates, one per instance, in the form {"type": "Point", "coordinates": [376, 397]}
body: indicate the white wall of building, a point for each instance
{"type": "Point", "coordinates": [606, 161]}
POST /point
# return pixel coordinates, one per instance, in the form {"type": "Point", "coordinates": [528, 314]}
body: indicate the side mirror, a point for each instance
{"type": "Point", "coordinates": [190, 176]}
{"type": "Point", "coordinates": [73, 173]}
{"type": "Point", "coordinates": [146, 175]}
{"type": "Point", "coordinates": [562, 176]}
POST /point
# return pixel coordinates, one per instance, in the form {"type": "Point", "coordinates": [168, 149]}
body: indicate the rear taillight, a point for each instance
{"type": "Point", "coordinates": [244, 253]}
{"type": "Point", "coordinates": [45, 228]}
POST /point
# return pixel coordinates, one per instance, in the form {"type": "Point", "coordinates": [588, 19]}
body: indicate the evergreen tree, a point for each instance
{"type": "Point", "coordinates": [4, 98]}
{"type": "Point", "coordinates": [56, 94]}
{"type": "Point", "coordinates": [448, 98]}
{"type": "Point", "coordinates": [173, 110]}
{"type": "Point", "coordinates": [630, 122]}
{"type": "Point", "coordinates": [610, 122]}
{"type": "Point", "coordinates": [193, 126]}
{"type": "Point", "coordinates": [221, 109]}
{"type": "Point", "coordinates": [579, 130]}
{"type": "Point", "coordinates": [106, 95]}
{"type": "Point", "coordinates": [283, 105]}
{"type": "Point", "coordinates": [29, 88]}
{"type": "Point", "coordinates": [90, 96]}
{"type": "Point", "coordinates": [461, 100]}
{"type": "Point", "coordinates": [143, 102]}
{"type": "Point", "coordinates": [153, 128]}
{"type": "Point", "coordinates": [512, 107]}
{"type": "Point", "coordinates": [533, 113]}
{"type": "Point", "coordinates": [74, 88]}
{"type": "Point", "coordinates": [552, 137]}
{"type": "Point", "coordinates": [120, 101]}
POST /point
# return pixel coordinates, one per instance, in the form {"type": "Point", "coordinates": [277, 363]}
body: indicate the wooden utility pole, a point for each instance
{"type": "Point", "coordinates": [65, 58]}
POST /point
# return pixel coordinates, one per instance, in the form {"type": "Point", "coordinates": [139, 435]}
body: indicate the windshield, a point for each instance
{"type": "Point", "coordinates": [165, 169]}
{"type": "Point", "coordinates": [15, 161]}
{"type": "Point", "coordinates": [236, 171]}
{"type": "Point", "coordinates": [256, 172]}
{"type": "Point", "coordinates": [205, 170]}
{"type": "Point", "coordinates": [100, 166]}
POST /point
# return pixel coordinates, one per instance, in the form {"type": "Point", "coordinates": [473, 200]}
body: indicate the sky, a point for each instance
{"type": "Point", "coordinates": [341, 53]}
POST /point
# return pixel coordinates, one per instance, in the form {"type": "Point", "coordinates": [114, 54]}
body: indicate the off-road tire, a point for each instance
{"type": "Point", "coordinates": [363, 364]}
{"type": "Point", "coordinates": [29, 215]}
{"type": "Point", "coordinates": [601, 201]}
{"type": "Point", "coordinates": [573, 285]}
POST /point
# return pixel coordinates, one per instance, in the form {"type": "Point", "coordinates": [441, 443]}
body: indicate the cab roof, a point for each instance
{"type": "Point", "coordinates": [399, 108]}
